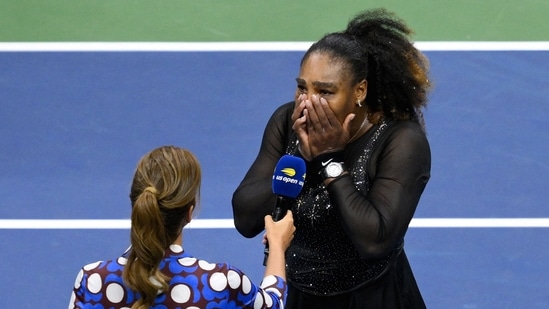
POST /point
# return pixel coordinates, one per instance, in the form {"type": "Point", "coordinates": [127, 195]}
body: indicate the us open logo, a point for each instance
{"type": "Point", "coordinates": [290, 173]}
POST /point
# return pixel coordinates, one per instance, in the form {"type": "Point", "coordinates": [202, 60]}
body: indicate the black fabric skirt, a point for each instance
{"type": "Point", "coordinates": [397, 288]}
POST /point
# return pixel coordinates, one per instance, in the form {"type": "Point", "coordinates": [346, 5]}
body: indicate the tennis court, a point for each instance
{"type": "Point", "coordinates": [78, 114]}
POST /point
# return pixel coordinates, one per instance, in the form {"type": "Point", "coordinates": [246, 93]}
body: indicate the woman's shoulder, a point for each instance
{"type": "Point", "coordinates": [288, 106]}
{"type": "Point", "coordinates": [96, 274]}
{"type": "Point", "coordinates": [408, 125]}
{"type": "Point", "coordinates": [200, 265]}
{"type": "Point", "coordinates": [284, 110]}
{"type": "Point", "coordinates": [106, 266]}
{"type": "Point", "coordinates": [403, 136]}
{"type": "Point", "coordinates": [280, 120]}
{"type": "Point", "coordinates": [406, 129]}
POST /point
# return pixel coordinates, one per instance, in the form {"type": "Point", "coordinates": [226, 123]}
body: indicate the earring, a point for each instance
{"type": "Point", "coordinates": [358, 103]}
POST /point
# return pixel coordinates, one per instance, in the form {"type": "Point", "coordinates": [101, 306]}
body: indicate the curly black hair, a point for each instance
{"type": "Point", "coordinates": [376, 46]}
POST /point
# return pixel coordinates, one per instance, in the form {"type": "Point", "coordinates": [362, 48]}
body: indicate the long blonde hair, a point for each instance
{"type": "Point", "coordinates": [165, 186]}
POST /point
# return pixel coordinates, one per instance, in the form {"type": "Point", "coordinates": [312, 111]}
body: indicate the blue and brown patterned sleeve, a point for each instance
{"type": "Point", "coordinates": [271, 293]}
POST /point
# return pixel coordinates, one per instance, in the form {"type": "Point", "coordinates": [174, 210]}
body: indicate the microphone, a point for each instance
{"type": "Point", "coordinates": [288, 180]}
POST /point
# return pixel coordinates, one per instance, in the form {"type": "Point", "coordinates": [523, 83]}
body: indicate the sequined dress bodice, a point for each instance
{"type": "Point", "coordinates": [322, 259]}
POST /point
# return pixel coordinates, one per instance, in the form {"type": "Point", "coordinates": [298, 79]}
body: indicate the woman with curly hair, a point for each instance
{"type": "Point", "coordinates": [155, 272]}
{"type": "Point", "coordinates": [357, 121]}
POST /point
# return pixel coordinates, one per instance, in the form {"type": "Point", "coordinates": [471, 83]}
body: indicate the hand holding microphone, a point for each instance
{"type": "Point", "coordinates": [279, 234]}
{"type": "Point", "coordinates": [288, 180]}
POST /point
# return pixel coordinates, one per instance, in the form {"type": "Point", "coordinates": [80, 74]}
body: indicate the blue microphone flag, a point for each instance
{"type": "Point", "coordinates": [289, 176]}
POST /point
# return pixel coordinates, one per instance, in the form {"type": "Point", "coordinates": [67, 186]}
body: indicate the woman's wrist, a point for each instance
{"type": "Point", "coordinates": [276, 263]}
{"type": "Point", "coordinates": [323, 161]}
{"type": "Point", "coordinates": [328, 181]}
{"type": "Point", "coordinates": [276, 246]}
{"type": "Point", "coordinates": [302, 154]}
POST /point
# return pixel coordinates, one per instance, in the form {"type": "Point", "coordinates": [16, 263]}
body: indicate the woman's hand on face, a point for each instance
{"type": "Point", "coordinates": [299, 117]}
{"type": "Point", "coordinates": [324, 131]}
{"type": "Point", "coordinates": [299, 106]}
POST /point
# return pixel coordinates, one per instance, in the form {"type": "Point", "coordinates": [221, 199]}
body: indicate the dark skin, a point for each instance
{"type": "Point", "coordinates": [326, 114]}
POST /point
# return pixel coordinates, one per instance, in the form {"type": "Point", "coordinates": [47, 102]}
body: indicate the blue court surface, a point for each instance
{"type": "Point", "coordinates": [74, 124]}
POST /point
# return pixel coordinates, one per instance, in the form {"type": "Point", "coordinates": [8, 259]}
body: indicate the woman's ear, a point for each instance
{"type": "Point", "coordinates": [189, 216]}
{"type": "Point", "coordinates": [361, 90]}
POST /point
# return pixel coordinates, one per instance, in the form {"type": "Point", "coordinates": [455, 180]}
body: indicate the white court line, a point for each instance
{"type": "Point", "coordinates": [479, 222]}
{"type": "Point", "coordinates": [251, 46]}
{"type": "Point", "coordinates": [257, 46]}
{"type": "Point", "coordinates": [100, 224]}
{"type": "Point", "coordinates": [94, 224]}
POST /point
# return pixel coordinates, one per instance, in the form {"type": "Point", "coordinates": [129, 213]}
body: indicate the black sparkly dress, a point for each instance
{"type": "Point", "coordinates": [348, 247]}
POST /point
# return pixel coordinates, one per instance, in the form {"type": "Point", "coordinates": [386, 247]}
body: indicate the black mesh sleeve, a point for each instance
{"type": "Point", "coordinates": [253, 198]}
{"type": "Point", "coordinates": [379, 219]}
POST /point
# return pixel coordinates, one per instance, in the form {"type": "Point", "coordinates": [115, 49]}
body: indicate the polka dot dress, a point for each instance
{"type": "Point", "coordinates": [194, 284]}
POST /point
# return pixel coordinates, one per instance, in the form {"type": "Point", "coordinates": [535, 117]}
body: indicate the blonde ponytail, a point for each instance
{"type": "Point", "coordinates": [165, 187]}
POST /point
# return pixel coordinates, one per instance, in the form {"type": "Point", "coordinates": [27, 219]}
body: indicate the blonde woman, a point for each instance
{"type": "Point", "coordinates": [156, 272]}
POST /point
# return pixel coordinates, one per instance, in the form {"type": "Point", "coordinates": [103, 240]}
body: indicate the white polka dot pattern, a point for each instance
{"type": "Point", "coordinates": [218, 282]}
{"type": "Point", "coordinates": [180, 293]}
{"type": "Point", "coordinates": [233, 279]}
{"type": "Point", "coordinates": [267, 281]}
{"type": "Point", "coordinates": [115, 293]}
{"type": "Point", "coordinates": [205, 265]}
{"type": "Point", "coordinates": [122, 261]}
{"type": "Point", "coordinates": [246, 285]}
{"type": "Point", "coordinates": [78, 280]}
{"type": "Point", "coordinates": [194, 284]}
{"type": "Point", "coordinates": [268, 299]}
{"type": "Point", "coordinates": [73, 298]}
{"type": "Point", "coordinates": [187, 261]}
{"type": "Point", "coordinates": [258, 303]}
{"type": "Point", "coordinates": [94, 283]}
{"type": "Point", "coordinates": [91, 266]}
{"type": "Point", "coordinates": [176, 249]}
